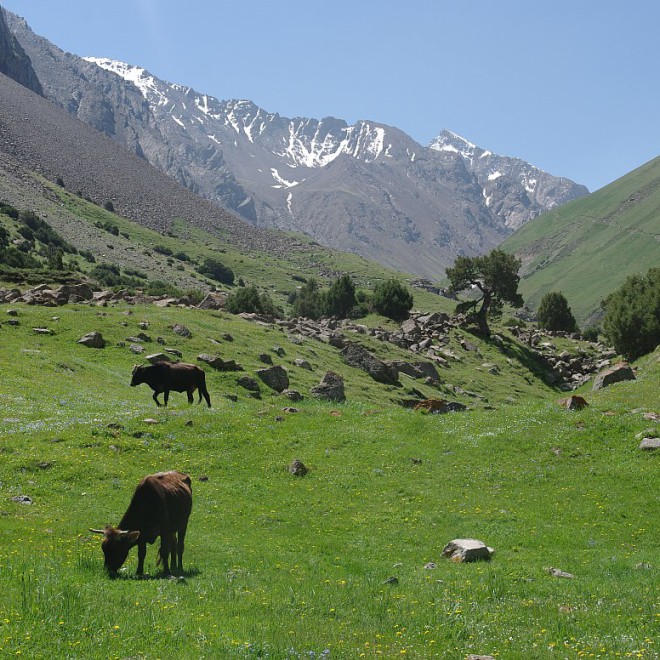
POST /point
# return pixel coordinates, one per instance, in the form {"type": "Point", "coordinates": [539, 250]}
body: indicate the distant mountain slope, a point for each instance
{"type": "Point", "coordinates": [587, 248]}
{"type": "Point", "coordinates": [39, 136]}
{"type": "Point", "coordinates": [367, 188]}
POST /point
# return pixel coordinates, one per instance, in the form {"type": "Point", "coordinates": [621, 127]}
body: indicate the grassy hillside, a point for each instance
{"type": "Point", "coordinates": [335, 564]}
{"type": "Point", "coordinates": [587, 248]}
{"type": "Point", "coordinates": [135, 247]}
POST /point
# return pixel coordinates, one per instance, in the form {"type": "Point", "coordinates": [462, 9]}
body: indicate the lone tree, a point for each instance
{"type": "Point", "coordinates": [340, 297]}
{"type": "Point", "coordinates": [554, 313]}
{"type": "Point", "coordinates": [495, 276]}
{"type": "Point", "coordinates": [632, 315]}
{"type": "Point", "coordinates": [392, 299]}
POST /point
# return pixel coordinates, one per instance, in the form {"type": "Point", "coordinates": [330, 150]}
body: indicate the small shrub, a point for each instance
{"type": "Point", "coordinates": [108, 226]}
{"type": "Point", "coordinates": [216, 271]}
{"type": "Point", "coordinates": [162, 249]}
{"type": "Point", "coordinates": [554, 313]}
{"type": "Point", "coordinates": [591, 333]}
{"type": "Point", "coordinates": [109, 206]}
{"type": "Point", "coordinates": [392, 299]}
{"type": "Point", "coordinates": [133, 272]}
{"type": "Point", "coordinates": [249, 300]}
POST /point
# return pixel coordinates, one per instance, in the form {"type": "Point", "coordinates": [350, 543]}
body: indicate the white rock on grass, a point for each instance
{"type": "Point", "coordinates": [466, 550]}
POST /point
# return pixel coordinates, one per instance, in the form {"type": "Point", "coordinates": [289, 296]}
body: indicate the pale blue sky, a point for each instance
{"type": "Point", "coordinates": [572, 86]}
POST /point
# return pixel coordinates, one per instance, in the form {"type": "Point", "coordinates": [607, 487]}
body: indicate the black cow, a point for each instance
{"type": "Point", "coordinates": [178, 376]}
{"type": "Point", "coordinates": [160, 506]}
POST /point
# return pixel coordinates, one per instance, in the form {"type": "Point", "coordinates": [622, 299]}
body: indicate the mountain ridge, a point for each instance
{"type": "Point", "coordinates": [407, 206]}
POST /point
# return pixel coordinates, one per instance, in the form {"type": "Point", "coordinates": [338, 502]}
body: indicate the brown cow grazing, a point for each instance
{"type": "Point", "coordinates": [160, 506]}
{"type": "Point", "coordinates": [178, 376]}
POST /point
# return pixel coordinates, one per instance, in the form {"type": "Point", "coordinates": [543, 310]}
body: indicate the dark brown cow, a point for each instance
{"type": "Point", "coordinates": [160, 506]}
{"type": "Point", "coordinates": [178, 376]}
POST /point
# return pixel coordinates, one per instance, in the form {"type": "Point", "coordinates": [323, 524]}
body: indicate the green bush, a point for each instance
{"type": "Point", "coordinates": [308, 301]}
{"type": "Point", "coordinates": [632, 315]}
{"type": "Point", "coordinates": [108, 226]}
{"type": "Point", "coordinates": [591, 333]}
{"type": "Point", "coordinates": [8, 210]}
{"type": "Point", "coordinates": [216, 271]}
{"type": "Point", "coordinates": [249, 300]}
{"type": "Point", "coordinates": [554, 313]}
{"type": "Point", "coordinates": [163, 249]}
{"type": "Point", "coordinates": [340, 298]}
{"type": "Point", "coordinates": [14, 258]}
{"type": "Point", "coordinates": [392, 299]}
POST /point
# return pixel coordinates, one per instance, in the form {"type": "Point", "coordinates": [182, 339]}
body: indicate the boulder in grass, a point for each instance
{"type": "Point", "coordinates": [93, 340]}
{"type": "Point", "coordinates": [158, 357]}
{"type": "Point", "coordinates": [298, 468]}
{"type": "Point", "coordinates": [619, 372]}
{"type": "Point", "coordinates": [467, 550]}
{"type": "Point", "coordinates": [331, 388]}
{"type": "Point", "coordinates": [275, 377]}
{"type": "Point", "coordinates": [574, 402]}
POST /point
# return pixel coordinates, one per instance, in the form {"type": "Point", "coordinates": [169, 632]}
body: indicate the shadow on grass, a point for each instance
{"type": "Point", "coordinates": [174, 577]}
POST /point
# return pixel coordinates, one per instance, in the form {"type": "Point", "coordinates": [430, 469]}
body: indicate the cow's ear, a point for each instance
{"type": "Point", "coordinates": [133, 536]}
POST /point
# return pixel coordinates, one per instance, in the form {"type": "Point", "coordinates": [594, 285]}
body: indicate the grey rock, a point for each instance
{"type": "Point", "coordinates": [93, 340]}
{"type": "Point", "coordinates": [649, 444]}
{"type": "Point", "coordinates": [298, 468]}
{"type": "Point", "coordinates": [181, 330]}
{"type": "Point", "coordinates": [249, 383]}
{"type": "Point", "coordinates": [275, 377]}
{"type": "Point", "coordinates": [303, 364]}
{"type": "Point", "coordinates": [467, 550]}
{"type": "Point", "coordinates": [355, 355]}
{"type": "Point", "coordinates": [331, 388]}
{"type": "Point", "coordinates": [616, 374]}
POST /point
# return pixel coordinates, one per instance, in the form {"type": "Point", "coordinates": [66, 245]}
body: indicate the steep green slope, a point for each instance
{"type": "Point", "coordinates": [587, 248]}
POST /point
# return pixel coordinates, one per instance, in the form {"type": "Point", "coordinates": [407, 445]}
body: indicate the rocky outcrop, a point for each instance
{"type": "Point", "coordinates": [14, 62]}
{"type": "Point", "coordinates": [616, 374]}
{"type": "Point", "coordinates": [356, 355]}
{"type": "Point", "coordinates": [275, 377]}
{"type": "Point", "coordinates": [331, 388]}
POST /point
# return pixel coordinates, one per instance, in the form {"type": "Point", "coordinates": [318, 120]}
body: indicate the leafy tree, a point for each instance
{"type": "Point", "coordinates": [107, 274]}
{"type": "Point", "coordinates": [4, 237]}
{"type": "Point", "coordinates": [216, 271]}
{"type": "Point", "coordinates": [554, 313]}
{"type": "Point", "coordinates": [308, 301]}
{"type": "Point", "coordinates": [632, 315]}
{"type": "Point", "coordinates": [495, 276]}
{"type": "Point", "coordinates": [55, 261]}
{"type": "Point", "coordinates": [249, 300]}
{"type": "Point", "coordinates": [392, 299]}
{"type": "Point", "coordinates": [340, 298]}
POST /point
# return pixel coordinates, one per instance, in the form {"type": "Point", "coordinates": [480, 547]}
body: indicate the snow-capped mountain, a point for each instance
{"type": "Point", "coordinates": [367, 187]}
{"type": "Point", "coordinates": [512, 188]}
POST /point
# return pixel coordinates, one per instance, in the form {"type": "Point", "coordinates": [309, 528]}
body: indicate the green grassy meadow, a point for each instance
{"type": "Point", "coordinates": [278, 566]}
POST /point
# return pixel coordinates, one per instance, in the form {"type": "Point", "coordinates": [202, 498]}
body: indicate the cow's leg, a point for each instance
{"type": "Point", "coordinates": [173, 547]}
{"type": "Point", "coordinates": [180, 547]}
{"type": "Point", "coordinates": [142, 553]}
{"type": "Point", "coordinates": [191, 398]}
{"type": "Point", "coordinates": [166, 396]}
{"type": "Point", "coordinates": [155, 398]}
{"type": "Point", "coordinates": [164, 551]}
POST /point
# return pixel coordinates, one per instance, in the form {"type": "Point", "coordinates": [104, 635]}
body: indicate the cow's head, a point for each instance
{"type": "Point", "coordinates": [116, 544]}
{"type": "Point", "coordinates": [138, 375]}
